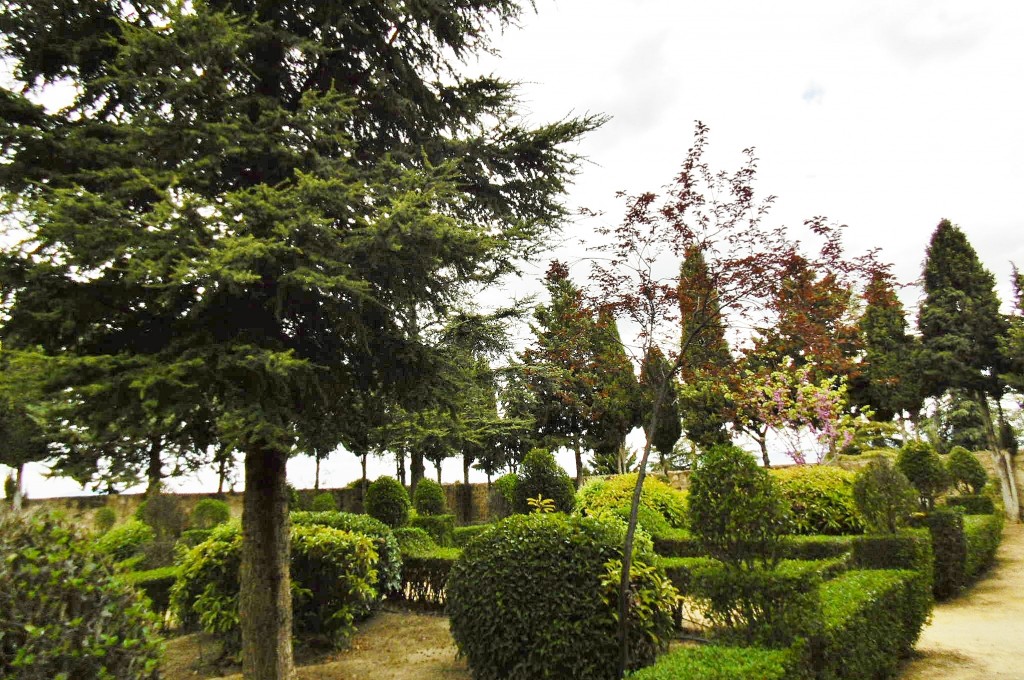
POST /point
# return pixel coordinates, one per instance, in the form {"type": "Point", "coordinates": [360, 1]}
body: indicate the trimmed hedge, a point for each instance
{"type": "Point", "coordinates": [440, 527]}
{"type": "Point", "coordinates": [126, 540]}
{"type": "Point", "coordinates": [973, 504]}
{"type": "Point", "coordinates": [156, 584]}
{"type": "Point", "coordinates": [324, 502]}
{"type": "Point", "coordinates": [983, 534]}
{"type": "Point", "coordinates": [425, 575]}
{"type": "Point", "coordinates": [820, 499]}
{"type": "Point", "coordinates": [871, 619]}
{"type": "Point", "coordinates": [910, 549]}
{"type": "Point", "coordinates": [714, 662]}
{"type": "Point", "coordinates": [950, 547]}
{"type": "Point", "coordinates": [464, 535]}
{"type": "Point", "coordinates": [677, 543]}
{"type": "Point", "coordinates": [815, 547]}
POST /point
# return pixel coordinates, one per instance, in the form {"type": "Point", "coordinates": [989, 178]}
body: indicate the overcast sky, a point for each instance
{"type": "Point", "coordinates": [884, 116]}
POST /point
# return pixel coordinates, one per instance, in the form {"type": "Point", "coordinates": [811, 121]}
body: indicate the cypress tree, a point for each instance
{"type": "Point", "coordinates": [617, 396]}
{"type": "Point", "coordinates": [654, 373]}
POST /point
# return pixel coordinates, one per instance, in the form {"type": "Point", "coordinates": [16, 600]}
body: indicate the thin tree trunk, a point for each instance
{"type": "Point", "coordinates": [579, 464]}
{"type": "Point", "coordinates": [437, 465]}
{"type": "Point", "coordinates": [1002, 462]}
{"type": "Point", "coordinates": [467, 460]}
{"type": "Point", "coordinates": [362, 463]}
{"type": "Point", "coordinates": [265, 599]}
{"type": "Point", "coordinates": [221, 472]}
{"type": "Point", "coordinates": [400, 467]}
{"type": "Point", "coordinates": [762, 441]}
{"type": "Point", "coordinates": [417, 469]}
{"type": "Point", "coordinates": [316, 478]}
{"type": "Point", "coordinates": [154, 470]}
{"type": "Point", "coordinates": [19, 495]}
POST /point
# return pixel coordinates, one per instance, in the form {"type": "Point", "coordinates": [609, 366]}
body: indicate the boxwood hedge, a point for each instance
{"type": "Point", "coordinates": [714, 662]}
{"type": "Point", "coordinates": [983, 534]}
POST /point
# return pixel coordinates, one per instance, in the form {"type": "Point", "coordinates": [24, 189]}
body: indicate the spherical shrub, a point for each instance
{"type": "Point", "coordinates": [414, 540]}
{"type": "Point", "coordinates": [429, 498]}
{"type": "Point", "coordinates": [536, 597]}
{"type": "Point", "coordinates": [820, 499]}
{"type": "Point", "coordinates": [332, 574]}
{"type": "Point", "coordinates": [736, 512]}
{"type": "Point", "coordinates": [388, 501]}
{"type": "Point", "coordinates": [389, 558]}
{"type": "Point", "coordinates": [66, 611]}
{"type": "Point", "coordinates": [324, 502]}
{"type": "Point", "coordinates": [884, 496]}
{"type": "Point", "coordinates": [125, 541]}
{"type": "Point", "coordinates": [966, 471]}
{"type": "Point", "coordinates": [662, 507]}
{"type": "Point", "coordinates": [163, 512]}
{"type": "Point", "coordinates": [923, 467]}
{"type": "Point", "coordinates": [540, 475]}
{"type": "Point", "coordinates": [105, 519]}
{"type": "Point", "coordinates": [208, 513]}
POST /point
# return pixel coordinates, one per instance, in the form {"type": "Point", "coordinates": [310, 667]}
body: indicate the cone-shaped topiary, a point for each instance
{"type": "Point", "coordinates": [388, 501]}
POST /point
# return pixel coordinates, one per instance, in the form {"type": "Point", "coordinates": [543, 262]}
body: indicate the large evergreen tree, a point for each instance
{"type": "Point", "coordinates": [655, 372]}
{"type": "Point", "coordinates": [247, 207]}
{"type": "Point", "coordinates": [616, 392]}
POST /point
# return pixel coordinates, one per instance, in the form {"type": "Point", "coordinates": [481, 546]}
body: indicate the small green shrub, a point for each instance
{"type": "Point", "coordinates": [526, 600]}
{"type": "Point", "coordinates": [923, 467]}
{"type": "Point", "coordinates": [820, 499]}
{"type": "Point", "coordinates": [105, 519]}
{"type": "Point", "coordinates": [715, 662]}
{"type": "Point", "coordinates": [388, 501]}
{"type": "Point", "coordinates": [332, 574]}
{"type": "Point", "coordinates": [125, 541]}
{"type": "Point", "coordinates": [983, 534]}
{"type": "Point", "coordinates": [540, 475]}
{"type": "Point", "coordinates": [665, 507]}
{"type": "Point", "coordinates": [429, 498]}
{"type": "Point", "coordinates": [884, 496]}
{"type": "Point", "coordinates": [965, 471]}
{"type": "Point", "coordinates": [414, 540]}
{"type": "Point", "coordinates": [208, 513]}
{"type": "Point", "coordinates": [163, 512]}
{"type": "Point", "coordinates": [66, 611]}
{"type": "Point", "coordinates": [950, 547]}
{"type": "Point", "coordinates": [972, 504]}
{"type": "Point", "coordinates": [440, 527]}
{"type": "Point", "coordinates": [324, 502]}
{"type": "Point", "coordinates": [735, 511]}
{"type": "Point", "coordinates": [503, 496]}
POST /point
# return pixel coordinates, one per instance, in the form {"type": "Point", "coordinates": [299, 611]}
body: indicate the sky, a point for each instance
{"type": "Point", "coordinates": [883, 116]}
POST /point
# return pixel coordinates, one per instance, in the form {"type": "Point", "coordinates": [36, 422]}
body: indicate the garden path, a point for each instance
{"type": "Point", "coordinates": [979, 634]}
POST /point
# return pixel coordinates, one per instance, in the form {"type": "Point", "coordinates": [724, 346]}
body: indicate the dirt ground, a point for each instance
{"type": "Point", "coordinates": [979, 634]}
{"type": "Point", "coordinates": [393, 645]}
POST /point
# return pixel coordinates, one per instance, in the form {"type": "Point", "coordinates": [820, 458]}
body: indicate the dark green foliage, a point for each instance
{"type": "Point", "coordinates": [923, 467]}
{"type": "Point", "coordinates": [661, 507]}
{"type": "Point", "coordinates": [125, 541]}
{"type": "Point", "coordinates": [208, 513]}
{"type": "Point", "coordinates": [324, 502]}
{"type": "Point", "coordinates": [909, 549]}
{"type": "Point", "coordinates": [429, 498]}
{"type": "Point", "coordinates": [735, 511]}
{"type": "Point", "coordinates": [67, 612]}
{"type": "Point", "coordinates": [884, 496]}
{"type": "Point", "coordinates": [10, 487]}
{"type": "Point", "coordinates": [983, 534]}
{"type": "Point", "coordinates": [388, 501]}
{"type": "Point", "coordinates": [333, 577]}
{"type": "Point", "coordinates": [163, 512]}
{"type": "Point", "coordinates": [389, 558]}
{"type": "Point", "coordinates": [464, 535]}
{"type": "Point", "coordinates": [958, 420]}
{"type": "Point", "coordinates": [616, 394]}
{"type": "Point", "coordinates": [528, 599]}
{"type": "Point", "coordinates": [715, 662]}
{"type": "Point", "coordinates": [156, 584]}
{"type": "Point", "coordinates": [105, 519]}
{"type": "Point", "coordinates": [815, 547]}
{"type": "Point", "coordinates": [658, 385]}
{"type": "Point", "coordinates": [440, 527]}
{"type": "Point", "coordinates": [502, 496]}
{"type": "Point", "coordinates": [540, 475]}
{"type": "Point", "coordinates": [872, 619]}
{"type": "Point", "coordinates": [950, 547]}
{"type": "Point", "coordinates": [820, 499]}
{"type": "Point", "coordinates": [965, 471]}
{"type": "Point", "coordinates": [971, 504]}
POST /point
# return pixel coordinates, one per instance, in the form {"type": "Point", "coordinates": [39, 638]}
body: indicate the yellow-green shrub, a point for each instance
{"type": "Point", "coordinates": [820, 499]}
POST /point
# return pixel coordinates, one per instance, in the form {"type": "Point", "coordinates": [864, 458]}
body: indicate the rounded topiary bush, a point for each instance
{"type": "Point", "coordinates": [105, 519]}
{"type": "Point", "coordinates": [388, 501]}
{"type": "Point", "coordinates": [884, 496]}
{"type": "Point", "coordinates": [923, 467]}
{"type": "Point", "coordinates": [735, 511]}
{"type": "Point", "coordinates": [429, 498]}
{"type": "Point", "coordinates": [332, 572]}
{"type": "Point", "coordinates": [324, 502]}
{"type": "Point", "coordinates": [125, 541]}
{"type": "Point", "coordinates": [208, 513]}
{"type": "Point", "coordinates": [65, 612]}
{"type": "Point", "coordinates": [966, 471]}
{"type": "Point", "coordinates": [503, 495]}
{"type": "Point", "coordinates": [536, 596]}
{"type": "Point", "coordinates": [540, 475]}
{"type": "Point", "coordinates": [661, 506]}
{"type": "Point", "coordinates": [820, 498]}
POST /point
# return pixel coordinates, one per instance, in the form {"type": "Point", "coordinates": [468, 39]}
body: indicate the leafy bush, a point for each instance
{"type": "Point", "coordinates": [735, 511]}
{"type": "Point", "coordinates": [429, 498]}
{"type": "Point", "coordinates": [440, 527]}
{"type": "Point", "coordinates": [540, 475]}
{"type": "Point", "coordinates": [413, 540]}
{"type": "Point", "coordinates": [965, 471]}
{"type": "Point", "coordinates": [324, 502]}
{"type": "Point", "coordinates": [923, 467]}
{"type": "Point", "coordinates": [714, 662]}
{"type": "Point", "coordinates": [388, 501]}
{"type": "Point", "coordinates": [820, 499]}
{"type": "Point", "coordinates": [526, 600]}
{"type": "Point", "coordinates": [208, 513]}
{"type": "Point", "coordinates": [665, 507]}
{"type": "Point", "coordinates": [105, 519]}
{"type": "Point", "coordinates": [156, 584]}
{"type": "Point", "coordinates": [125, 541]}
{"type": "Point", "coordinates": [464, 535]}
{"type": "Point", "coordinates": [503, 496]}
{"type": "Point", "coordinates": [972, 504]}
{"type": "Point", "coordinates": [332, 575]}
{"type": "Point", "coordinates": [389, 557]}
{"type": "Point", "coordinates": [884, 496]}
{"type": "Point", "coordinates": [950, 547]}
{"type": "Point", "coordinates": [983, 534]}
{"type": "Point", "coordinates": [67, 612]}
{"type": "Point", "coordinates": [871, 619]}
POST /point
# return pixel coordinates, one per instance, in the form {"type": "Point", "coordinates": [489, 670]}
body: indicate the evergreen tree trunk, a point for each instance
{"type": "Point", "coordinates": [579, 464]}
{"type": "Point", "coordinates": [466, 462]}
{"type": "Point", "coordinates": [19, 496]}
{"type": "Point", "coordinates": [265, 607]}
{"type": "Point", "coordinates": [400, 467]}
{"type": "Point", "coordinates": [417, 469]}
{"type": "Point", "coordinates": [154, 470]}
{"type": "Point", "coordinates": [316, 478]}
